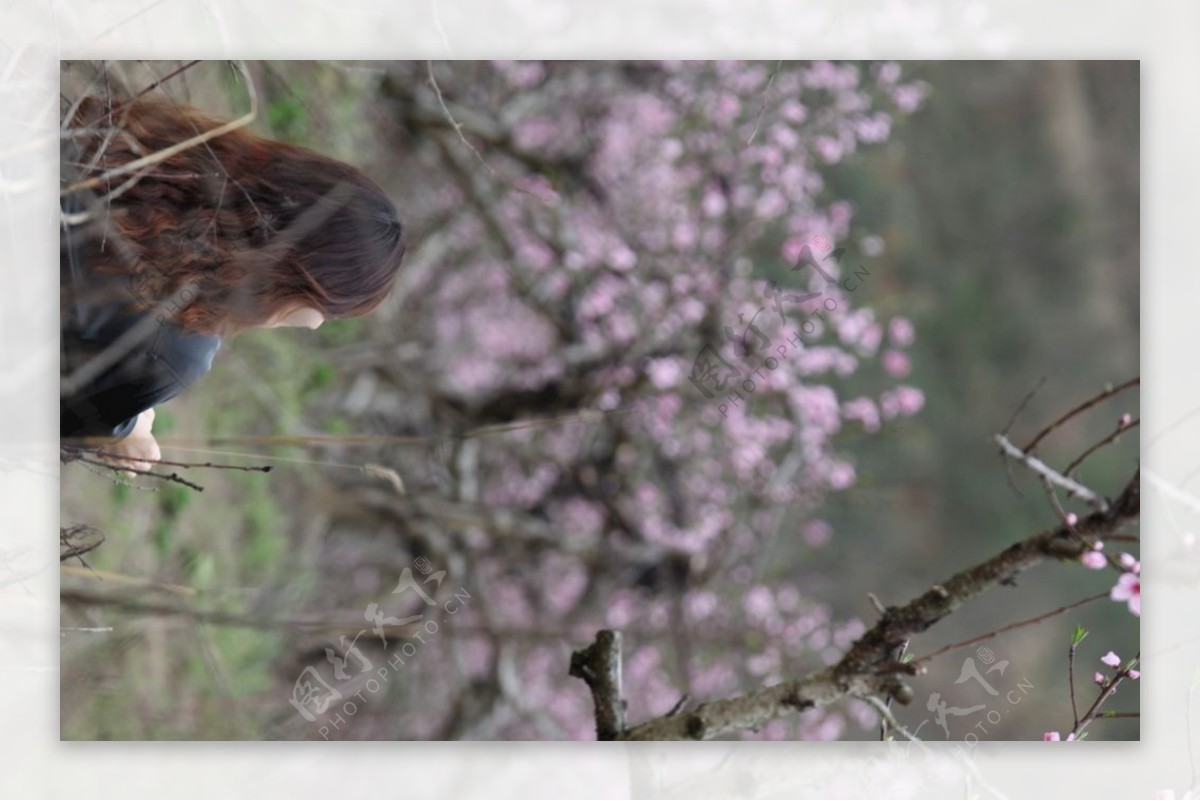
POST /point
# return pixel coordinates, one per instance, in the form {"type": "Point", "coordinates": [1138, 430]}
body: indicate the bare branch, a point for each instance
{"type": "Point", "coordinates": [75, 541]}
{"type": "Point", "coordinates": [249, 468]}
{"type": "Point", "coordinates": [1011, 626]}
{"type": "Point", "coordinates": [309, 624]}
{"type": "Point", "coordinates": [173, 477]}
{"type": "Point", "coordinates": [1041, 468]}
{"type": "Point", "coordinates": [166, 153]}
{"type": "Point", "coordinates": [1083, 407]}
{"type": "Point", "coordinates": [1122, 427]}
{"type": "Point", "coordinates": [599, 665]}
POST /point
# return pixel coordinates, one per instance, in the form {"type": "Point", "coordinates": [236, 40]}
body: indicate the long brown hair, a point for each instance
{"type": "Point", "coordinates": [240, 226]}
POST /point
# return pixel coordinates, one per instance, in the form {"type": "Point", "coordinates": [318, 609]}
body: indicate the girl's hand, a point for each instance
{"type": "Point", "coordinates": [137, 448]}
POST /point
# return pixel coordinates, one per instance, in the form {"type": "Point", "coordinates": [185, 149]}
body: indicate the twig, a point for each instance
{"type": "Point", "coordinates": [1019, 624]}
{"type": "Point", "coordinates": [680, 704]}
{"type": "Point", "coordinates": [763, 109]}
{"type": "Point", "coordinates": [186, 66]}
{"type": "Point", "coordinates": [1083, 407]}
{"type": "Point", "coordinates": [1012, 421]}
{"type": "Point", "coordinates": [126, 604]}
{"type": "Point", "coordinates": [175, 477]}
{"type": "Point", "coordinates": [108, 577]}
{"type": "Point", "coordinates": [458, 129]}
{"type": "Point", "coordinates": [1061, 514]}
{"type": "Point", "coordinates": [1021, 406]}
{"type": "Point", "coordinates": [889, 717]}
{"type": "Point", "coordinates": [75, 541]}
{"type": "Point", "coordinates": [1041, 468]}
{"type": "Point", "coordinates": [167, 152]}
{"type": "Point", "coordinates": [1071, 681]}
{"type": "Point", "coordinates": [250, 468]}
{"type": "Point", "coordinates": [1121, 429]}
{"type": "Point", "coordinates": [1110, 688]}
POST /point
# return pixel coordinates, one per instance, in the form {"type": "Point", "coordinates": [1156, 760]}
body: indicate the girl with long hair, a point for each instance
{"type": "Point", "coordinates": [174, 239]}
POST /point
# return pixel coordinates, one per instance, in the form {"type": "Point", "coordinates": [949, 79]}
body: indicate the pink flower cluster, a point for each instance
{"type": "Point", "coordinates": [618, 218]}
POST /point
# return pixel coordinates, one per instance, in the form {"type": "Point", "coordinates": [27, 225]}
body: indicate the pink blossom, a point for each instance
{"type": "Point", "coordinates": [911, 400]}
{"type": "Point", "coordinates": [901, 331]}
{"type": "Point", "coordinates": [758, 602]}
{"type": "Point", "coordinates": [1111, 659]}
{"type": "Point", "coordinates": [908, 97]}
{"type": "Point", "coordinates": [897, 363]}
{"type": "Point", "coordinates": [841, 475]}
{"type": "Point", "coordinates": [1051, 737]}
{"type": "Point", "coordinates": [1094, 560]}
{"type": "Point", "coordinates": [1129, 589]}
{"type": "Point", "coordinates": [1126, 419]}
{"type": "Point", "coordinates": [1130, 563]}
{"type": "Point", "coordinates": [905, 401]}
{"type": "Point", "coordinates": [863, 410]}
{"type": "Point", "coordinates": [785, 137]}
{"type": "Point", "coordinates": [828, 148]}
{"type": "Point", "coordinates": [664, 373]}
{"type": "Point", "coordinates": [1135, 674]}
{"type": "Point", "coordinates": [817, 533]}
{"type": "Point", "coordinates": [726, 109]}
{"type": "Point", "coordinates": [793, 112]}
{"type": "Point", "coordinates": [627, 275]}
{"type": "Point", "coordinates": [700, 604]}
{"type": "Point", "coordinates": [868, 341]}
{"type": "Point", "coordinates": [622, 258]}
{"type": "Point", "coordinates": [1072, 519]}
{"type": "Point", "coordinates": [792, 248]}
{"type": "Point", "coordinates": [714, 204]}
{"type": "Point", "coordinates": [1099, 678]}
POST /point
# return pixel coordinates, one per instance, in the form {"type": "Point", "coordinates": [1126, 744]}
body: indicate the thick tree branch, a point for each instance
{"type": "Point", "coordinates": [868, 668]}
{"type": "Point", "coordinates": [600, 666]}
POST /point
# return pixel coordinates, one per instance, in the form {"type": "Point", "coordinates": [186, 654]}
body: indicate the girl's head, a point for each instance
{"type": "Point", "coordinates": [234, 232]}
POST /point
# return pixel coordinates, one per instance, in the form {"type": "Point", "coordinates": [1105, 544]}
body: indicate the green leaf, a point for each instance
{"type": "Point", "coordinates": [1078, 635]}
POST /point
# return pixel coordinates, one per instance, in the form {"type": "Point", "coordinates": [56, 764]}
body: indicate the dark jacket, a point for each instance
{"type": "Point", "coordinates": [116, 362]}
